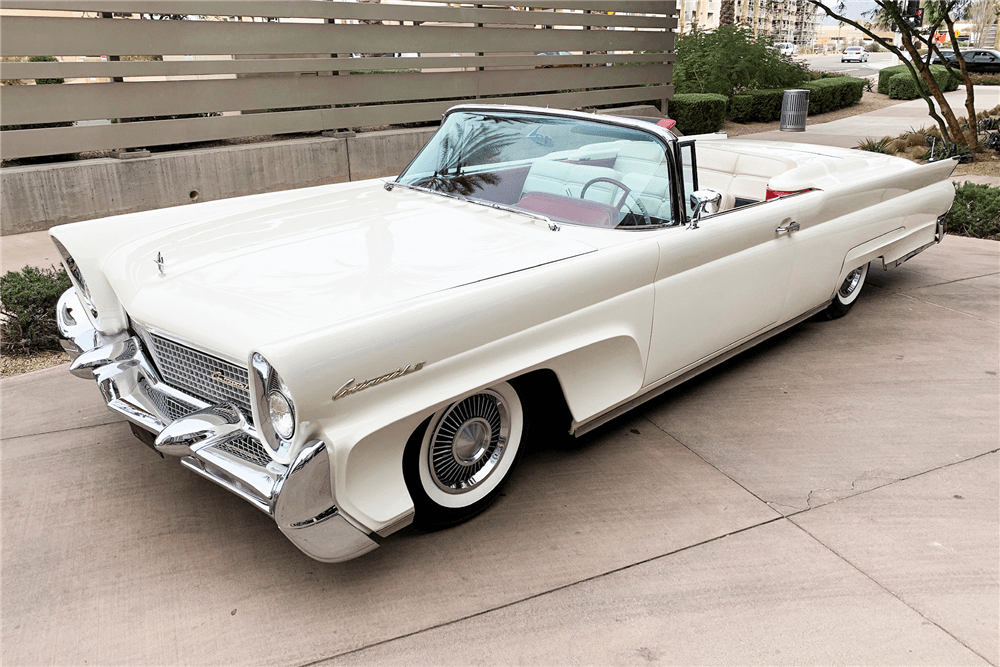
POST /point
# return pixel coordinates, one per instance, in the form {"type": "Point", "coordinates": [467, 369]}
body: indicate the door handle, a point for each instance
{"type": "Point", "coordinates": [787, 225]}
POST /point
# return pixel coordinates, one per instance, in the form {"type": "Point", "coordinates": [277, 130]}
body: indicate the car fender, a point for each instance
{"type": "Point", "coordinates": [588, 319]}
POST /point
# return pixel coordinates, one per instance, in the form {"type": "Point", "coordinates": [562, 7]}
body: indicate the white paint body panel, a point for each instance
{"type": "Point", "coordinates": [351, 281]}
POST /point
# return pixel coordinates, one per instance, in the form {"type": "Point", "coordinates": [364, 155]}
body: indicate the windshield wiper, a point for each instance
{"type": "Point", "coordinates": [389, 185]}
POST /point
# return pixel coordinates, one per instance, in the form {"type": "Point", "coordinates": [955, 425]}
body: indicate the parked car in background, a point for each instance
{"type": "Point", "coordinates": [976, 60]}
{"type": "Point", "coordinates": [353, 358]}
{"type": "Point", "coordinates": [854, 54]}
{"type": "Point", "coordinates": [786, 48]}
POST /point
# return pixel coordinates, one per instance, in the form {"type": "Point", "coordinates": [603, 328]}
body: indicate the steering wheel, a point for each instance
{"type": "Point", "coordinates": [621, 202]}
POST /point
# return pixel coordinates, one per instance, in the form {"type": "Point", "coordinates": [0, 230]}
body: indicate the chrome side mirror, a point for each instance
{"type": "Point", "coordinates": [704, 202]}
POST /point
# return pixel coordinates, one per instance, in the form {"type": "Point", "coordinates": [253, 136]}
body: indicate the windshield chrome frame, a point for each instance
{"type": "Point", "coordinates": [664, 136]}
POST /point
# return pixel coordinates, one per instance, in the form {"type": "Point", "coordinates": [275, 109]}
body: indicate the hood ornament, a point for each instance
{"type": "Point", "coordinates": [159, 262]}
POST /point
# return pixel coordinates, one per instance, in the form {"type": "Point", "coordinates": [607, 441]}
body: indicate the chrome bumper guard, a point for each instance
{"type": "Point", "coordinates": [939, 231]}
{"type": "Point", "coordinates": [299, 497]}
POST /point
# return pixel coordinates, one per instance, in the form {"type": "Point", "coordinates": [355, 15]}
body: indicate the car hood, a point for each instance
{"type": "Point", "coordinates": [232, 282]}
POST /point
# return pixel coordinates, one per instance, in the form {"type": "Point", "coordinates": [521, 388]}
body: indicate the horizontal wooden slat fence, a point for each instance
{"type": "Point", "coordinates": [277, 58]}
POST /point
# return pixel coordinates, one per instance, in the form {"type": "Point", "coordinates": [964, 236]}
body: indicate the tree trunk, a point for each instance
{"type": "Point", "coordinates": [727, 12]}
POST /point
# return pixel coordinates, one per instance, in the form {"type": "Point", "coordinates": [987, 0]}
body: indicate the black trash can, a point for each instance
{"type": "Point", "coordinates": [794, 108]}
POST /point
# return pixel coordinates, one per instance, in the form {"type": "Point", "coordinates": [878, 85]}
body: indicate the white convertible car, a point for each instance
{"type": "Point", "coordinates": [353, 358]}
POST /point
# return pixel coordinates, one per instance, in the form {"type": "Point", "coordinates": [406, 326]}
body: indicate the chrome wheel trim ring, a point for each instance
{"type": "Point", "coordinates": [851, 283]}
{"type": "Point", "coordinates": [469, 442]}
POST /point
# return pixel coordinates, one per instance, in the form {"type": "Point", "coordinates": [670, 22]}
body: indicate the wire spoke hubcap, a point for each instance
{"type": "Point", "coordinates": [851, 283]}
{"type": "Point", "coordinates": [469, 442]}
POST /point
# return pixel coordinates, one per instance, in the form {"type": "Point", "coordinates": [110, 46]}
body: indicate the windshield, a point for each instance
{"type": "Point", "coordinates": [566, 169]}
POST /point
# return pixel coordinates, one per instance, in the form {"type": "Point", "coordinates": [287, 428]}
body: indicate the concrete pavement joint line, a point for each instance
{"type": "Point", "coordinates": [585, 580]}
{"type": "Point", "coordinates": [958, 280]}
{"type": "Point", "coordinates": [879, 584]}
{"type": "Point", "coordinates": [895, 481]}
{"type": "Point", "coordinates": [901, 293]}
{"type": "Point", "coordinates": [766, 502]}
{"type": "Point", "coordinates": [957, 312]}
{"type": "Point", "coordinates": [63, 430]}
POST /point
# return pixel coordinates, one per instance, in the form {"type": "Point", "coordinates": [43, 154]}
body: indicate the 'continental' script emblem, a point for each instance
{"type": "Point", "coordinates": [217, 375]}
{"type": "Point", "coordinates": [350, 387]}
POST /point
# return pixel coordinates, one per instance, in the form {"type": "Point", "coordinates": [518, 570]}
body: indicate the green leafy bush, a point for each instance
{"type": "Point", "coordinates": [832, 94]}
{"type": "Point", "coordinates": [906, 88]}
{"type": "Point", "coordinates": [756, 106]}
{"type": "Point", "coordinates": [28, 305]}
{"type": "Point", "coordinates": [728, 60]}
{"type": "Point", "coordinates": [976, 212]}
{"type": "Point", "coordinates": [698, 113]}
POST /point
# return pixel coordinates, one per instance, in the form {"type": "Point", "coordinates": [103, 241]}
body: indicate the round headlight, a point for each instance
{"type": "Point", "coordinates": [282, 417]}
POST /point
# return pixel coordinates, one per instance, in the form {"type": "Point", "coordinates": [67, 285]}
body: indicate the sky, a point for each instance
{"type": "Point", "coordinates": [852, 9]}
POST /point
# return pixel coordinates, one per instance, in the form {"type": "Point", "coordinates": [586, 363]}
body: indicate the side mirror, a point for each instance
{"type": "Point", "coordinates": [704, 202]}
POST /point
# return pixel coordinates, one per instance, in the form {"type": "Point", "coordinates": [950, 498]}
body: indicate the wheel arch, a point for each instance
{"type": "Point", "coordinates": [367, 457]}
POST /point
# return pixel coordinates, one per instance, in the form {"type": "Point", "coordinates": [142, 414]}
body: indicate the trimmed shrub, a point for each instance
{"type": "Point", "coordinates": [982, 79]}
{"type": "Point", "coordinates": [831, 94]}
{"type": "Point", "coordinates": [28, 304]}
{"type": "Point", "coordinates": [946, 82]}
{"type": "Point", "coordinates": [698, 113]}
{"type": "Point", "coordinates": [976, 211]}
{"type": "Point", "coordinates": [756, 106]}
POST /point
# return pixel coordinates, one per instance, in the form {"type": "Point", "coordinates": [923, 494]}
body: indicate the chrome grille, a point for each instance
{"type": "Point", "coordinates": [200, 374]}
{"type": "Point", "coordinates": [168, 406]}
{"type": "Point", "coordinates": [247, 449]}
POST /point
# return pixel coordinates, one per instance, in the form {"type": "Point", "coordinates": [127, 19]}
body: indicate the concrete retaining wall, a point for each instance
{"type": "Point", "coordinates": [38, 197]}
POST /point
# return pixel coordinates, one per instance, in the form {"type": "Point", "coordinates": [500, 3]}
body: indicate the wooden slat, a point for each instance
{"type": "Point", "coordinates": [354, 11]}
{"type": "Point", "coordinates": [53, 103]}
{"type": "Point", "coordinates": [104, 69]}
{"type": "Point", "coordinates": [617, 6]}
{"type": "Point", "coordinates": [349, 10]}
{"type": "Point", "coordinates": [27, 143]}
{"type": "Point", "coordinates": [28, 36]}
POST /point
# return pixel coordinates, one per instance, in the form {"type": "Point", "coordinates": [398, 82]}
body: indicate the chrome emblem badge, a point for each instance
{"type": "Point", "coordinates": [159, 262]}
{"type": "Point", "coordinates": [350, 387]}
{"type": "Point", "coordinates": [218, 375]}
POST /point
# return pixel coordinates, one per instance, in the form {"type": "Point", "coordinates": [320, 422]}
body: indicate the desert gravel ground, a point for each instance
{"type": "Point", "coordinates": [18, 364]}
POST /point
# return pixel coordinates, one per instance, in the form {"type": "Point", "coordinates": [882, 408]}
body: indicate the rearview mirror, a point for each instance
{"type": "Point", "coordinates": [704, 202]}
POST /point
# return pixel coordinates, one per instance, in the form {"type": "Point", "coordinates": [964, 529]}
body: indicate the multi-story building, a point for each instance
{"type": "Point", "coordinates": [792, 21]}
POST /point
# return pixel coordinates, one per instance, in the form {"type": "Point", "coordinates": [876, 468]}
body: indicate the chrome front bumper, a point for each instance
{"type": "Point", "coordinates": [299, 497]}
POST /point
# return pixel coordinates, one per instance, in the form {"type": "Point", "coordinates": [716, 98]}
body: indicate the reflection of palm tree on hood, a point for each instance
{"type": "Point", "coordinates": [479, 145]}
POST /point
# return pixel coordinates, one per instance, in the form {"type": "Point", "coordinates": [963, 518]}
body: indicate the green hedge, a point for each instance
{"type": "Point", "coordinates": [699, 113]}
{"type": "Point", "coordinates": [976, 211]}
{"type": "Point", "coordinates": [826, 94]}
{"type": "Point", "coordinates": [890, 83]}
{"type": "Point", "coordinates": [756, 106]}
{"type": "Point", "coordinates": [832, 94]}
{"type": "Point", "coordinates": [28, 308]}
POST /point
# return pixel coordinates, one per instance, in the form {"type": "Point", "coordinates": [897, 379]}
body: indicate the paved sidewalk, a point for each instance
{"type": "Point", "coordinates": [830, 497]}
{"type": "Point", "coordinates": [889, 121]}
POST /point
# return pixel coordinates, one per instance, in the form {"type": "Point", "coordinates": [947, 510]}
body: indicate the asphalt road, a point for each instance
{"type": "Point", "coordinates": [830, 497]}
{"type": "Point", "coordinates": [831, 63]}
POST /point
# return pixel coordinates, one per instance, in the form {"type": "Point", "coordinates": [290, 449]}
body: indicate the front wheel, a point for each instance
{"type": "Point", "coordinates": [847, 293]}
{"type": "Point", "coordinates": [457, 462]}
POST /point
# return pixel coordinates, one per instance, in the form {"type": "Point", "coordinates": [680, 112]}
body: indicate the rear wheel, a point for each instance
{"type": "Point", "coordinates": [847, 293]}
{"type": "Point", "coordinates": [457, 462]}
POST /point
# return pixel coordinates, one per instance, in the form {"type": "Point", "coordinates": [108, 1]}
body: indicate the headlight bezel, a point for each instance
{"type": "Point", "coordinates": [76, 277]}
{"type": "Point", "coordinates": [267, 382]}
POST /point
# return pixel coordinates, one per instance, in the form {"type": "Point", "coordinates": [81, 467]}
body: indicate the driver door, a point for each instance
{"type": "Point", "coordinates": [720, 284]}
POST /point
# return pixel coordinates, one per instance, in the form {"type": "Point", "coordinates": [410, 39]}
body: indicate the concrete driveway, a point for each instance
{"type": "Point", "coordinates": [830, 497]}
